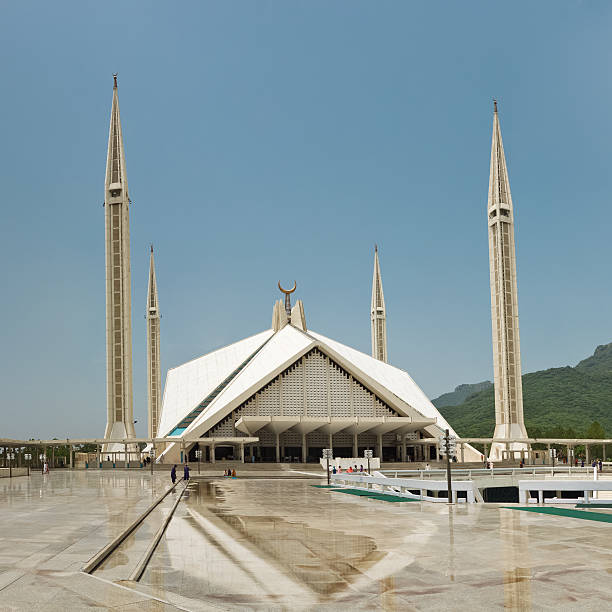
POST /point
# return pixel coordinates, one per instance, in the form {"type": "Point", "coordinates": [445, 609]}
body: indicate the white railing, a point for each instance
{"type": "Point", "coordinates": [505, 471]}
{"type": "Point", "coordinates": [586, 487]}
{"type": "Point", "coordinates": [404, 487]}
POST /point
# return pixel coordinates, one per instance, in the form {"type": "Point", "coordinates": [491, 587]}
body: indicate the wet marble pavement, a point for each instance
{"type": "Point", "coordinates": [52, 525]}
{"type": "Point", "coordinates": [282, 544]}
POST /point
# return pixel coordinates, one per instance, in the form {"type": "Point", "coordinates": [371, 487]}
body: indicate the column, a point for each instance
{"type": "Point", "coordinates": [98, 456]}
{"type": "Point", "coordinates": [437, 452]}
{"type": "Point", "coordinates": [603, 453]}
{"type": "Point", "coordinates": [485, 450]}
{"type": "Point", "coordinates": [567, 454]}
{"type": "Point", "coordinates": [379, 446]}
{"type": "Point", "coordinates": [277, 448]}
{"type": "Point", "coordinates": [331, 442]}
{"type": "Point", "coordinates": [586, 449]}
{"type": "Point", "coordinates": [212, 452]}
{"type": "Point", "coordinates": [355, 446]}
{"type": "Point", "coordinates": [242, 452]}
{"type": "Point", "coordinates": [126, 462]}
{"type": "Point", "coordinates": [304, 448]}
{"type": "Point", "coordinates": [69, 455]}
{"type": "Point", "coordinates": [404, 453]}
{"type": "Point", "coordinates": [52, 456]}
{"type": "Point", "coordinates": [462, 452]}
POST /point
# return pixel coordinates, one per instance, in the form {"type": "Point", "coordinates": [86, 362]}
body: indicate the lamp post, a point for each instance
{"type": "Point", "coordinates": [28, 458]}
{"type": "Point", "coordinates": [327, 455]}
{"type": "Point", "coordinates": [198, 454]}
{"type": "Point", "coordinates": [447, 445]}
{"type": "Point", "coordinates": [368, 454]}
{"type": "Point", "coordinates": [10, 456]}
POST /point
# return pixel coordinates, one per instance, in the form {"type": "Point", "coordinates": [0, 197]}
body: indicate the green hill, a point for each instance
{"type": "Point", "coordinates": [460, 394]}
{"type": "Point", "coordinates": [560, 401]}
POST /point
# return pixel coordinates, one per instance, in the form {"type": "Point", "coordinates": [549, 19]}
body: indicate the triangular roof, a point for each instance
{"type": "Point", "coordinates": [188, 384]}
{"type": "Point", "coordinates": [274, 352]}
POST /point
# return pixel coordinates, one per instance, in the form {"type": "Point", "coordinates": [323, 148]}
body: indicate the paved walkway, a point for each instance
{"type": "Point", "coordinates": [51, 525]}
{"type": "Point", "coordinates": [286, 545]}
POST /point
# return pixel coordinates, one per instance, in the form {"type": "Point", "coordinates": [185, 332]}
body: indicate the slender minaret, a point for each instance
{"type": "Point", "coordinates": [378, 314]}
{"type": "Point", "coordinates": [509, 421]}
{"type": "Point", "coordinates": [120, 423]}
{"type": "Point", "coordinates": [153, 357]}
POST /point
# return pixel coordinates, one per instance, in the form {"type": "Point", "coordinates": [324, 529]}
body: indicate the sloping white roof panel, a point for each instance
{"type": "Point", "coordinates": [284, 347]}
{"type": "Point", "coordinates": [188, 384]}
{"type": "Point", "coordinates": [395, 380]}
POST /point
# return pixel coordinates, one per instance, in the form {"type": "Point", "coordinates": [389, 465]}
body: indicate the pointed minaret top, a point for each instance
{"type": "Point", "coordinates": [378, 299]}
{"type": "Point", "coordinates": [116, 176]}
{"type": "Point", "coordinates": [494, 105]}
{"type": "Point", "coordinates": [115, 79]}
{"type": "Point", "coordinates": [152, 300]}
{"type": "Point", "coordinates": [499, 184]}
{"type": "Point", "coordinates": [378, 314]}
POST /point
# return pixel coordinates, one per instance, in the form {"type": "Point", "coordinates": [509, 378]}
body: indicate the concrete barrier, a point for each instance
{"type": "Point", "coordinates": [586, 487]}
{"type": "Point", "coordinates": [403, 487]}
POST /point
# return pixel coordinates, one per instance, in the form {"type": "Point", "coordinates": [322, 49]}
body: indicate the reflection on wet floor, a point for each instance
{"type": "Point", "coordinates": [265, 550]}
{"type": "Point", "coordinates": [283, 544]}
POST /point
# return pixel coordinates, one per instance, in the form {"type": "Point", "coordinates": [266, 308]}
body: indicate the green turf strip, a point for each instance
{"type": "Point", "coordinates": [579, 514]}
{"type": "Point", "coordinates": [324, 486]}
{"type": "Point", "coordinates": [593, 506]}
{"type": "Point", "coordinates": [371, 495]}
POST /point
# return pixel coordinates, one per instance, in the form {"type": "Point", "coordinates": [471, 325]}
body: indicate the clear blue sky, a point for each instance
{"type": "Point", "coordinates": [281, 140]}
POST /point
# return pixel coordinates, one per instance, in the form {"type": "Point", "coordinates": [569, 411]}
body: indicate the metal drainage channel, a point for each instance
{"type": "Point", "coordinates": [94, 563]}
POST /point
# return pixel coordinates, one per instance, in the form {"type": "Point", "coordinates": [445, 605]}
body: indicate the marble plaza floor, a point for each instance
{"type": "Point", "coordinates": [283, 544]}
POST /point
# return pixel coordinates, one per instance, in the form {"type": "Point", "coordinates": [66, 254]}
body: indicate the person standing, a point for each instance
{"type": "Point", "coordinates": [173, 474]}
{"type": "Point", "coordinates": [186, 473]}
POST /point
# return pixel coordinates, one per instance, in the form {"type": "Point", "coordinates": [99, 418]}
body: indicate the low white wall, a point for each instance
{"type": "Point", "coordinates": [586, 487]}
{"type": "Point", "coordinates": [402, 486]}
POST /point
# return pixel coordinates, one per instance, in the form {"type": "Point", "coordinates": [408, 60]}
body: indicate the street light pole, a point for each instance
{"type": "Point", "coordinates": [448, 469]}
{"type": "Point", "coordinates": [327, 455]}
{"type": "Point", "coordinates": [368, 454]}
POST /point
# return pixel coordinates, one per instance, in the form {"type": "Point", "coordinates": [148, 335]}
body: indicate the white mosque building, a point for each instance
{"type": "Point", "coordinates": [288, 392]}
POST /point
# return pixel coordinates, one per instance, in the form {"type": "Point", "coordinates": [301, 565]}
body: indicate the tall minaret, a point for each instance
{"type": "Point", "coordinates": [153, 356]}
{"type": "Point", "coordinates": [120, 423]}
{"type": "Point", "coordinates": [378, 314]}
{"type": "Point", "coordinates": [509, 421]}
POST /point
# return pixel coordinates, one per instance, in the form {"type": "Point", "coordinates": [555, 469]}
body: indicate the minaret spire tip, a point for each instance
{"type": "Point", "coordinates": [115, 79]}
{"type": "Point", "coordinates": [151, 247]}
{"type": "Point", "coordinates": [494, 105]}
{"type": "Point", "coordinates": [375, 248]}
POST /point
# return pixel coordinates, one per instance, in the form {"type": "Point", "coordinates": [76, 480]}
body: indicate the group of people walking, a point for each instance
{"type": "Point", "coordinates": [229, 473]}
{"type": "Point", "coordinates": [185, 473]}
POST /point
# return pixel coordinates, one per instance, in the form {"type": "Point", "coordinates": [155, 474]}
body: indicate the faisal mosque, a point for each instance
{"type": "Point", "coordinates": [288, 392]}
